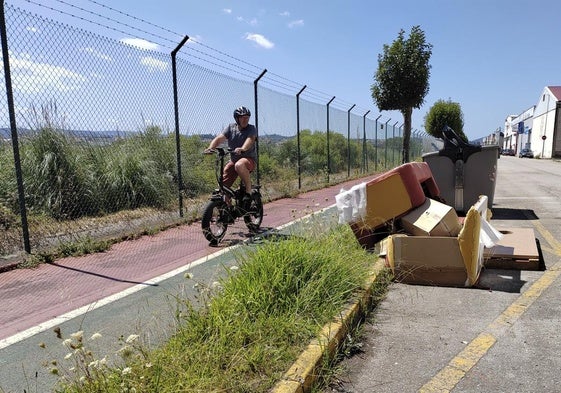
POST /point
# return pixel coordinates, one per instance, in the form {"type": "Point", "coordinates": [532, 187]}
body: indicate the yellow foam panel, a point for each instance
{"type": "Point", "coordinates": [469, 244]}
{"type": "Point", "coordinates": [386, 199]}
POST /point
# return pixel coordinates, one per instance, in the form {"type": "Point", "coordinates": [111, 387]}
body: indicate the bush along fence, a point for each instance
{"type": "Point", "coordinates": [101, 139]}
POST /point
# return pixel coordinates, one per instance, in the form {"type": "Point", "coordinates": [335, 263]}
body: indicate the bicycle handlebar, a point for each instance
{"type": "Point", "coordinates": [218, 150]}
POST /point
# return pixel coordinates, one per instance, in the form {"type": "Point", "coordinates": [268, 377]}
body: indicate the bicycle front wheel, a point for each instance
{"type": "Point", "coordinates": [215, 221]}
{"type": "Point", "coordinates": [254, 216]}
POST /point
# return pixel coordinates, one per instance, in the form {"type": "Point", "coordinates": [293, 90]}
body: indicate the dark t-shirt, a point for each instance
{"type": "Point", "coordinates": [237, 137]}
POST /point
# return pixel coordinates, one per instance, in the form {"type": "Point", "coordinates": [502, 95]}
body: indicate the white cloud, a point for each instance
{"type": "Point", "coordinates": [154, 64]}
{"type": "Point", "coordinates": [33, 77]}
{"type": "Point", "coordinates": [195, 38]}
{"type": "Point", "coordinates": [96, 53]}
{"type": "Point", "coordinates": [227, 10]}
{"type": "Point", "coordinates": [140, 43]}
{"type": "Point", "coordinates": [259, 40]}
{"type": "Point", "coordinates": [296, 23]}
{"type": "Point", "coordinates": [251, 22]}
{"type": "Point", "coordinates": [285, 13]}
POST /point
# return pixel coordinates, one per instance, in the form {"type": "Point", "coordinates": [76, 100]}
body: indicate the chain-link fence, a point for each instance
{"type": "Point", "coordinates": [94, 143]}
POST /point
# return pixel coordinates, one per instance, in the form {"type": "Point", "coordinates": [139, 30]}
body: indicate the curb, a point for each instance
{"type": "Point", "coordinates": [7, 265]}
{"type": "Point", "coordinates": [302, 375]}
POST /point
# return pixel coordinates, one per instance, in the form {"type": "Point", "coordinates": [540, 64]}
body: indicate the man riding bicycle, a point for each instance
{"type": "Point", "coordinates": [241, 138]}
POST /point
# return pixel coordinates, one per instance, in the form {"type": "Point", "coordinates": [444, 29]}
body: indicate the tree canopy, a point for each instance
{"type": "Point", "coordinates": [401, 81]}
{"type": "Point", "coordinates": [445, 113]}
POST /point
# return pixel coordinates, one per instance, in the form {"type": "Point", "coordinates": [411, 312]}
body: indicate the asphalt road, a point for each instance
{"type": "Point", "coordinates": [504, 336]}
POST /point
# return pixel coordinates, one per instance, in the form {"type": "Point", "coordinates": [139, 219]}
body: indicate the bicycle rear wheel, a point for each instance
{"type": "Point", "coordinates": [215, 221]}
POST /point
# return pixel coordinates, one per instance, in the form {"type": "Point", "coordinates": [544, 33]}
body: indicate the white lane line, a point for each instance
{"type": "Point", "coordinates": [525, 197]}
{"type": "Point", "coordinates": [102, 302]}
{"type": "Point", "coordinates": [6, 342]}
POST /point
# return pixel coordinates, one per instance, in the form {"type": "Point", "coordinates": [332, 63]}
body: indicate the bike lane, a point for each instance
{"type": "Point", "coordinates": [31, 297]}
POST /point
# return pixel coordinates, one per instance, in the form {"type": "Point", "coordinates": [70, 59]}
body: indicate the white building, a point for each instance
{"type": "Point", "coordinates": [546, 138]}
{"type": "Point", "coordinates": [521, 128]}
{"type": "Point", "coordinates": [509, 141]}
{"type": "Point", "coordinates": [537, 128]}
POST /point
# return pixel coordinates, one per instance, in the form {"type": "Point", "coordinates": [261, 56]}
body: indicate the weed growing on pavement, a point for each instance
{"type": "Point", "coordinates": [256, 322]}
{"type": "Point", "coordinates": [83, 369]}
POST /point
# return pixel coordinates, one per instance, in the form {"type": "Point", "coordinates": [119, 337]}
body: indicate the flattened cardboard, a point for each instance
{"type": "Point", "coordinates": [516, 250]}
{"type": "Point", "coordinates": [432, 218]}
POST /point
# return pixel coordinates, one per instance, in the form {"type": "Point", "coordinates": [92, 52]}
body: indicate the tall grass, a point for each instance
{"type": "Point", "coordinates": [257, 322]}
{"type": "Point", "coordinates": [66, 177]}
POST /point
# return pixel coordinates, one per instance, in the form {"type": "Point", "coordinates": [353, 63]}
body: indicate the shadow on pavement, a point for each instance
{"type": "Point", "coordinates": [100, 275]}
{"type": "Point", "coordinates": [503, 213]}
{"type": "Point", "coordinates": [501, 280]}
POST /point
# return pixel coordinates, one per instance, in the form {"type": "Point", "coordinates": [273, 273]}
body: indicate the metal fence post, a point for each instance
{"type": "Point", "coordinates": [402, 148]}
{"type": "Point", "coordinates": [14, 130]}
{"type": "Point", "coordinates": [298, 136]}
{"type": "Point", "coordinates": [386, 146]}
{"type": "Point", "coordinates": [364, 152]}
{"type": "Point", "coordinates": [327, 136]}
{"type": "Point", "coordinates": [393, 143]}
{"type": "Point", "coordinates": [376, 143]}
{"type": "Point", "coordinates": [176, 109]}
{"type": "Point", "coordinates": [349, 140]}
{"type": "Point", "coordinates": [255, 82]}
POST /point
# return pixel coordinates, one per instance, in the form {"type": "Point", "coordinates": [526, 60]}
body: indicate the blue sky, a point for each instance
{"type": "Point", "coordinates": [492, 56]}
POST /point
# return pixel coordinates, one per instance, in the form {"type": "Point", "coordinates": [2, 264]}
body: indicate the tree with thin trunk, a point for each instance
{"type": "Point", "coordinates": [402, 79]}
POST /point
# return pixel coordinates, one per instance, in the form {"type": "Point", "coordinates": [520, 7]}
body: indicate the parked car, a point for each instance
{"type": "Point", "coordinates": [508, 152]}
{"type": "Point", "coordinates": [526, 153]}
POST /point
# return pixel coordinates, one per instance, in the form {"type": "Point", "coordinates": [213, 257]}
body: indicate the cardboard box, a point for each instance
{"type": "Point", "coordinates": [432, 218]}
{"type": "Point", "coordinates": [444, 261]}
{"type": "Point", "coordinates": [427, 260]}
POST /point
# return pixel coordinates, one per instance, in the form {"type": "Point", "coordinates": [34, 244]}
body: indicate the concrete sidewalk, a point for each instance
{"type": "Point", "coordinates": [501, 336]}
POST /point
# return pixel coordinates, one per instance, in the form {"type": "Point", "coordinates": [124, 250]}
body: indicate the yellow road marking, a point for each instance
{"type": "Point", "coordinates": [447, 378]}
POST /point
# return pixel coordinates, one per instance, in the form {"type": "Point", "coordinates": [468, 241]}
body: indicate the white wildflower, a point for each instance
{"type": "Point", "coordinates": [78, 335]}
{"type": "Point", "coordinates": [188, 275]}
{"type": "Point", "coordinates": [126, 370]}
{"type": "Point", "coordinates": [234, 267]}
{"type": "Point", "coordinates": [67, 343]}
{"type": "Point", "coordinates": [95, 336]}
{"type": "Point", "coordinates": [131, 338]}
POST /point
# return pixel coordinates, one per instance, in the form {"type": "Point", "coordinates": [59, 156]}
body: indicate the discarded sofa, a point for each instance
{"type": "Point", "coordinates": [370, 207]}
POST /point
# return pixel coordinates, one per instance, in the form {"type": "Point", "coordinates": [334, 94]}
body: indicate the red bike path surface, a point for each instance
{"type": "Point", "coordinates": [31, 297]}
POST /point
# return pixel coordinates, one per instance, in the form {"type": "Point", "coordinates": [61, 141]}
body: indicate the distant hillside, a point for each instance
{"type": "Point", "coordinates": [111, 135]}
{"type": "Point", "coordinates": [6, 133]}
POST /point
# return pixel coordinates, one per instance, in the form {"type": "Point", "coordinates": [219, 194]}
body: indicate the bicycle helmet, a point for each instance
{"type": "Point", "coordinates": [241, 111]}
